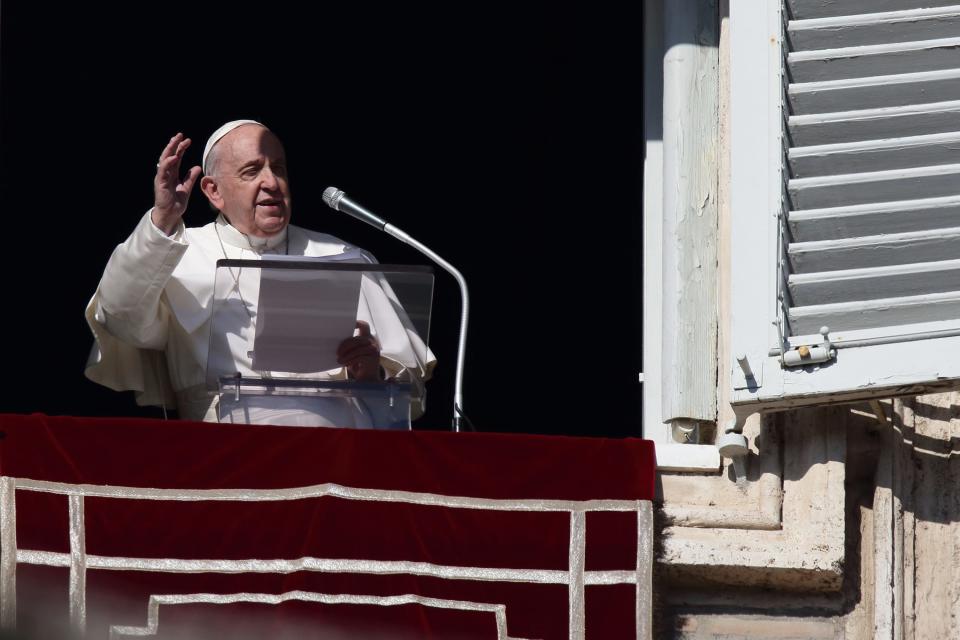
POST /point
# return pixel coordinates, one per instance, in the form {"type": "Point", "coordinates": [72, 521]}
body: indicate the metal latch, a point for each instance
{"type": "Point", "coordinates": [811, 354]}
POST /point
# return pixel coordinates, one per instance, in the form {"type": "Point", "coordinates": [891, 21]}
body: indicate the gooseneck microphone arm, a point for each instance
{"type": "Point", "coordinates": [337, 200]}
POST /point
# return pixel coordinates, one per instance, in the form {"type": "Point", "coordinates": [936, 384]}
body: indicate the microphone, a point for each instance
{"type": "Point", "coordinates": [337, 200]}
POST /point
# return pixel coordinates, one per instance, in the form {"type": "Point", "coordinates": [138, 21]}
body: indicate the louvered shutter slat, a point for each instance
{"type": "Point", "coordinates": [847, 94]}
{"type": "Point", "coordinates": [873, 60]}
{"type": "Point", "coordinates": [809, 9]}
{"type": "Point", "coordinates": [929, 23]}
{"type": "Point", "coordinates": [875, 155]}
{"type": "Point", "coordinates": [876, 187]}
{"type": "Point", "coordinates": [873, 314]}
{"type": "Point", "coordinates": [828, 287]}
{"type": "Point", "coordinates": [862, 220]}
{"type": "Point", "coordinates": [873, 124]}
{"type": "Point", "coordinates": [874, 251]}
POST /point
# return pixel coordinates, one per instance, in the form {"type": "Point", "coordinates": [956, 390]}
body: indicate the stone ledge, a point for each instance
{"type": "Point", "coordinates": [727, 547]}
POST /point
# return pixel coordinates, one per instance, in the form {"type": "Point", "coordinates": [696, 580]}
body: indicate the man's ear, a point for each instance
{"type": "Point", "coordinates": [209, 187]}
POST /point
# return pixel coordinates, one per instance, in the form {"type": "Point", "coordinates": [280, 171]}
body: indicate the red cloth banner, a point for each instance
{"type": "Point", "coordinates": [115, 528]}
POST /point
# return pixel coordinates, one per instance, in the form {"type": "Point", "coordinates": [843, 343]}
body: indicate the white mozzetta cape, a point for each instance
{"type": "Point", "coordinates": [150, 315]}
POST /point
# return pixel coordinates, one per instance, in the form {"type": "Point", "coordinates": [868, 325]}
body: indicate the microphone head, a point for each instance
{"type": "Point", "coordinates": [332, 195]}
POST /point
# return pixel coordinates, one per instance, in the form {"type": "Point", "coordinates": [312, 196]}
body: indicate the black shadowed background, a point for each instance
{"type": "Point", "coordinates": [507, 141]}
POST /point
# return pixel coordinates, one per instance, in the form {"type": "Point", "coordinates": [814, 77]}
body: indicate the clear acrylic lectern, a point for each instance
{"type": "Point", "coordinates": [276, 326]}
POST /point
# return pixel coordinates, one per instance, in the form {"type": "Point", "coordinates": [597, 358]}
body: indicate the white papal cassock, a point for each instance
{"type": "Point", "coordinates": [151, 313]}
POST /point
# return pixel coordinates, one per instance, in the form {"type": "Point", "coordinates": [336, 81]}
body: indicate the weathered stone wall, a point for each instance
{"type": "Point", "coordinates": [874, 555]}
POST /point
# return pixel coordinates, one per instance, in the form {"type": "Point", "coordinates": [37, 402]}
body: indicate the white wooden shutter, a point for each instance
{"type": "Point", "coordinates": [845, 198]}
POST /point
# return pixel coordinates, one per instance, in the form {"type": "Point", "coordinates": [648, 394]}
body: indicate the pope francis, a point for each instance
{"type": "Point", "coordinates": [151, 313]}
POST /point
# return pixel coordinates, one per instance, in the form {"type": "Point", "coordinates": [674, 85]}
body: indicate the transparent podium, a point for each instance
{"type": "Point", "coordinates": [276, 326]}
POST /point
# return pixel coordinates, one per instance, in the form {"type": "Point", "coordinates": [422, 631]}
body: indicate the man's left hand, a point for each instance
{"type": "Point", "coordinates": [361, 355]}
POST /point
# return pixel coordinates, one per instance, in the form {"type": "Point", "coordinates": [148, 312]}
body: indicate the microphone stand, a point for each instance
{"type": "Point", "coordinates": [338, 201]}
{"type": "Point", "coordinates": [399, 234]}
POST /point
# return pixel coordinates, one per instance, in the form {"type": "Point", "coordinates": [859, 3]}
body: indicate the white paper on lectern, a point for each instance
{"type": "Point", "coordinates": [303, 316]}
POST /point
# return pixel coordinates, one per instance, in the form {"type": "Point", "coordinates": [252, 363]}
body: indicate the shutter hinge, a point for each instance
{"type": "Point", "coordinates": [811, 354]}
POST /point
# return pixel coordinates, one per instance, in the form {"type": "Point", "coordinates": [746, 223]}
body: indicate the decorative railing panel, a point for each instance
{"type": "Point", "coordinates": [121, 528]}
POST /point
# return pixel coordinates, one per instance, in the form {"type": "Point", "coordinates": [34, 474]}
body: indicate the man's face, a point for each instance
{"type": "Point", "coordinates": [250, 185]}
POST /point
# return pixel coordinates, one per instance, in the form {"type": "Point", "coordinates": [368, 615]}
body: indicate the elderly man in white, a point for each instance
{"type": "Point", "coordinates": [151, 313]}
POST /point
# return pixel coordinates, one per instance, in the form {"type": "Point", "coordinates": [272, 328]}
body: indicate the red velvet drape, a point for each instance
{"type": "Point", "coordinates": [187, 455]}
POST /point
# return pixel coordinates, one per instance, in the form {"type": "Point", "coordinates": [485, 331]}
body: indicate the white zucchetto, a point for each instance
{"type": "Point", "coordinates": [219, 133]}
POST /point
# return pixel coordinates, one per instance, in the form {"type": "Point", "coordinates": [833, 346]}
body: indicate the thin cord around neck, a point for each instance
{"type": "Point", "coordinates": [236, 278]}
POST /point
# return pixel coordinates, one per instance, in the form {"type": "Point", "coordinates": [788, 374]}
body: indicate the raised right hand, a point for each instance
{"type": "Point", "coordinates": [170, 194]}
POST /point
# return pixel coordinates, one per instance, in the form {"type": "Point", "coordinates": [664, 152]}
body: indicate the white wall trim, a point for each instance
{"type": "Point", "coordinates": [670, 455]}
{"type": "Point", "coordinates": [687, 457]}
